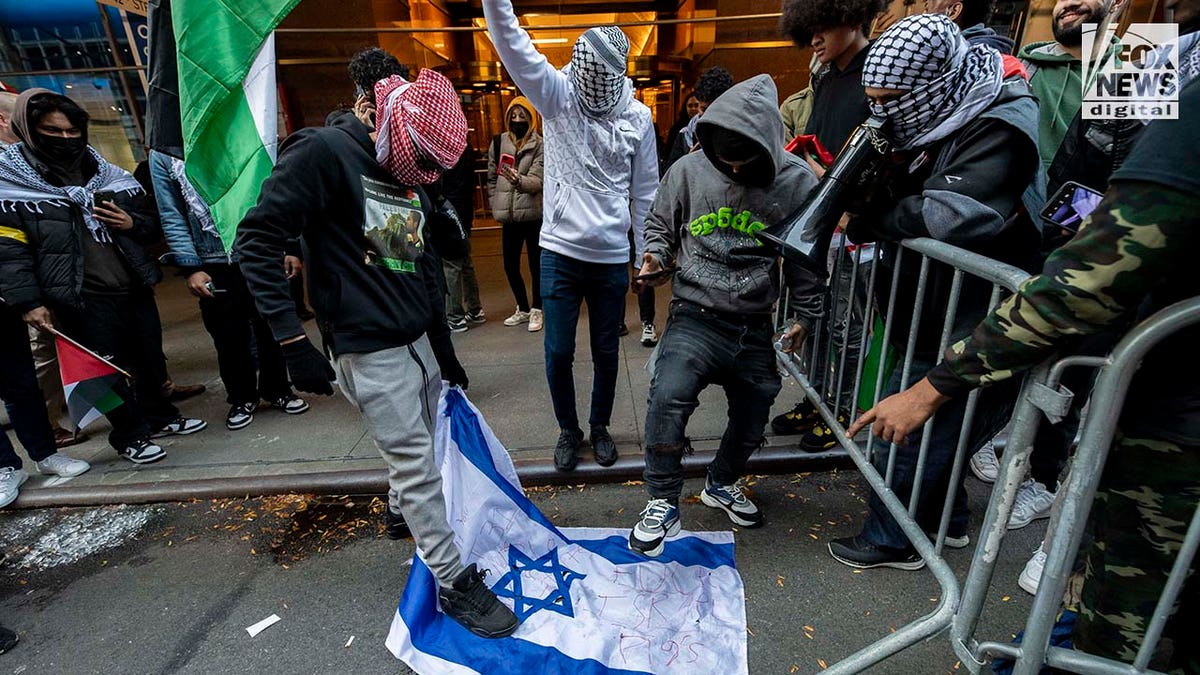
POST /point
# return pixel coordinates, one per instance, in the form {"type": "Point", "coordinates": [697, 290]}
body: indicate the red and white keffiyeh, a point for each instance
{"type": "Point", "coordinates": [421, 127]}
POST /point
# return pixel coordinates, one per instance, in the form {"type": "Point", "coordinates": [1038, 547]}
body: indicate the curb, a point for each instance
{"type": "Point", "coordinates": [374, 481]}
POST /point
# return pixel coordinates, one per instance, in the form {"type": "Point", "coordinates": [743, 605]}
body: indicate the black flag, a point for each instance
{"type": "Point", "coordinates": [164, 131]}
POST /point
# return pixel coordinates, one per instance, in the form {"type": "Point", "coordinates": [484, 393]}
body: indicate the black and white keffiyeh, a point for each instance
{"type": "Point", "coordinates": [192, 198]}
{"type": "Point", "coordinates": [21, 185]}
{"type": "Point", "coordinates": [597, 69]}
{"type": "Point", "coordinates": [948, 82]}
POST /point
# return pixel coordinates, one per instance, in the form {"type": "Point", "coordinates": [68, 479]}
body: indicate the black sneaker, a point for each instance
{"type": "Point", "coordinates": [658, 521]}
{"type": "Point", "coordinates": [820, 438]}
{"type": "Point", "coordinates": [240, 416]}
{"type": "Point", "coordinates": [952, 540]}
{"type": "Point", "coordinates": [291, 404]}
{"type": "Point", "coordinates": [8, 639]}
{"type": "Point", "coordinates": [624, 330]}
{"type": "Point", "coordinates": [142, 452]}
{"type": "Point", "coordinates": [858, 552]}
{"type": "Point", "coordinates": [180, 426]}
{"type": "Point", "coordinates": [566, 452]}
{"type": "Point", "coordinates": [797, 420]}
{"type": "Point", "coordinates": [603, 447]}
{"type": "Point", "coordinates": [471, 603]}
{"type": "Point", "coordinates": [396, 528]}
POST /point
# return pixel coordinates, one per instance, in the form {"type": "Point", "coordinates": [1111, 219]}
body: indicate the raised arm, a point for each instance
{"type": "Point", "coordinates": [643, 186]}
{"type": "Point", "coordinates": [539, 81]}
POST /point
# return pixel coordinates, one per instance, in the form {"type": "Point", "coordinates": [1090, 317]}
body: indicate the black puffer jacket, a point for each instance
{"type": "Point", "coordinates": [41, 250]}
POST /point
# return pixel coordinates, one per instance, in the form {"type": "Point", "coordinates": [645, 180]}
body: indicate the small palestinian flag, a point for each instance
{"type": "Point", "coordinates": [88, 381]}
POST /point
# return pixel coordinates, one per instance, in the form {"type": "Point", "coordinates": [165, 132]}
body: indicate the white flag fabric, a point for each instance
{"type": "Point", "coordinates": [587, 604]}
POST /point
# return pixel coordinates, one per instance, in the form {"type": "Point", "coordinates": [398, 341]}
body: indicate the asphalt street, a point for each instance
{"type": "Point", "coordinates": [171, 588]}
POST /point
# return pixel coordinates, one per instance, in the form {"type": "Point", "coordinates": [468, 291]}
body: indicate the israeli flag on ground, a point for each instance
{"type": "Point", "coordinates": [587, 604]}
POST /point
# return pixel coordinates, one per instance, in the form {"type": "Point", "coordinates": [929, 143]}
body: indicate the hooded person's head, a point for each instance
{"type": "Point", "coordinates": [927, 81]}
{"type": "Point", "coordinates": [597, 69]}
{"type": "Point", "coordinates": [740, 136]}
{"type": "Point", "coordinates": [421, 128]}
{"type": "Point", "coordinates": [521, 120]}
{"type": "Point", "coordinates": [53, 127]}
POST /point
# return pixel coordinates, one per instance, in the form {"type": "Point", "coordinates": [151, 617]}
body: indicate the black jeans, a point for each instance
{"type": "Point", "coordinates": [700, 348]}
{"type": "Point", "coordinates": [21, 396]}
{"type": "Point", "coordinates": [566, 284]}
{"type": "Point", "coordinates": [991, 414]}
{"type": "Point", "coordinates": [514, 237]}
{"type": "Point", "coordinates": [126, 329]}
{"type": "Point", "coordinates": [233, 321]}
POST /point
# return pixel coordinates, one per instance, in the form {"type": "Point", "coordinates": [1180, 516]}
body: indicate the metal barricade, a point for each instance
{"type": "Point", "coordinates": [823, 373]}
{"type": "Point", "coordinates": [1079, 490]}
{"type": "Point", "coordinates": [919, 257]}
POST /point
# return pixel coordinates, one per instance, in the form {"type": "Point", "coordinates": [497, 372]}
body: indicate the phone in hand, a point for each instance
{"type": "Point", "coordinates": [507, 161]}
{"type": "Point", "coordinates": [665, 272]}
{"type": "Point", "coordinates": [103, 196]}
{"type": "Point", "coordinates": [1071, 205]}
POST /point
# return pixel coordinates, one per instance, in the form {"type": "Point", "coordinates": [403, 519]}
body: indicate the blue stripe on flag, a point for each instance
{"type": "Point", "coordinates": [684, 550]}
{"type": "Point", "coordinates": [468, 435]}
{"type": "Point", "coordinates": [437, 634]}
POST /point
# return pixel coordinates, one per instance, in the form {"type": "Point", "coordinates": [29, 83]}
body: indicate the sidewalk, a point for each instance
{"type": "Point", "coordinates": [508, 384]}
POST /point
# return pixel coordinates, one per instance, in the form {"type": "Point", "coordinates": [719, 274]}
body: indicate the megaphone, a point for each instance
{"type": "Point", "coordinates": [803, 237]}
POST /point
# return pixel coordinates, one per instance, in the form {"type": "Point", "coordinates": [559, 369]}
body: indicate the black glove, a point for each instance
{"type": "Point", "coordinates": [455, 375]}
{"type": "Point", "coordinates": [309, 369]}
{"type": "Point", "coordinates": [447, 360]}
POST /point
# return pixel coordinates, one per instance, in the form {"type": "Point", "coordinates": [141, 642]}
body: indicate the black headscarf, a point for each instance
{"type": "Point", "coordinates": [65, 158]}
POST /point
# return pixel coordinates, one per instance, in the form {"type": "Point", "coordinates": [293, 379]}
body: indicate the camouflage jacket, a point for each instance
{"type": "Point", "coordinates": [1131, 258]}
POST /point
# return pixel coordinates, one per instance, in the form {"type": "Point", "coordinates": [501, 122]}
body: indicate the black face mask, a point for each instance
{"type": "Point", "coordinates": [519, 129]}
{"type": "Point", "coordinates": [61, 151]}
{"type": "Point", "coordinates": [720, 142]}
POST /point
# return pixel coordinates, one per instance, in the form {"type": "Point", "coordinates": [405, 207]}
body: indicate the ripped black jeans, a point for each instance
{"type": "Point", "coordinates": [699, 348]}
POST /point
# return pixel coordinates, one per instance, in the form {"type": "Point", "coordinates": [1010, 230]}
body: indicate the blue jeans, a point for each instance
{"type": "Point", "coordinates": [19, 390]}
{"type": "Point", "coordinates": [991, 414]}
{"type": "Point", "coordinates": [566, 284]}
{"type": "Point", "coordinates": [700, 348]}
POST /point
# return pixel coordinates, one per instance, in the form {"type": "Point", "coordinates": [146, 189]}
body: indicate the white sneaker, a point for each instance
{"type": "Point", "coordinates": [517, 318]}
{"type": "Point", "coordinates": [59, 464]}
{"type": "Point", "coordinates": [536, 320]}
{"type": "Point", "coordinates": [1031, 576]}
{"type": "Point", "coordinates": [10, 484]}
{"type": "Point", "coordinates": [1033, 502]}
{"type": "Point", "coordinates": [649, 335]}
{"type": "Point", "coordinates": [984, 464]}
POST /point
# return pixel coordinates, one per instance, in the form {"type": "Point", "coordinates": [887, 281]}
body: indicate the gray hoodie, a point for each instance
{"type": "Point", "coordinates": [704, 222]}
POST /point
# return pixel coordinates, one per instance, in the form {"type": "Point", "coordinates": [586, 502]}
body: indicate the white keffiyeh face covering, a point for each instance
{"type": "Point", "coordinates": [946, 82]}
{"type": "Point", "coordinates": [597, 69]}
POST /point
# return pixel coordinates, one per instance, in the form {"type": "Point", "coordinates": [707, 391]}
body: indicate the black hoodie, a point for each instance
{"type": "Point", "coordinates": [372, 284]}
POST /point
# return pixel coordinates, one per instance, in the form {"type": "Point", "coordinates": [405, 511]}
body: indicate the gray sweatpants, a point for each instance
{"type": "Point", "coordinates": [397, 390]}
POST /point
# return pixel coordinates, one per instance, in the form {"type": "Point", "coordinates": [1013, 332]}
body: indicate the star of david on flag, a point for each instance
{"type": "Point", "coordinates": [587, 604]}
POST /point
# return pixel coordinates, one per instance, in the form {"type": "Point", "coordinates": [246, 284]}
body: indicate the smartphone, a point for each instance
{"type": "Point", "coordinates": [104, 196]}
{"type": "Point", "coordinates": [507, 161]}
{"type": "Point", "coordinates": [654, 275]}
{"type": "Point", "coordinates": [213, 289]}
{"type": "Point", "coordinates": [1071, 205]}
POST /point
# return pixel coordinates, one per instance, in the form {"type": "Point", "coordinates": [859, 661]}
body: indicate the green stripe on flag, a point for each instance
{"type": "Point", "coordinates": [217, 42]}
{"type": "Point", "coordinates": [108, 402]}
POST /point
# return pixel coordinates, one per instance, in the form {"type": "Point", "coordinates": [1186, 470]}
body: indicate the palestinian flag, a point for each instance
{"type": "Point", "coordinates": [228, 100]}
{"type": "Point", "coordinates": [88, 381]}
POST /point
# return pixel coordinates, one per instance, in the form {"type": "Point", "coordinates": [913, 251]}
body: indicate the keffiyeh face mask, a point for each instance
{"type": "Point", "coordinates": [946, 82]}
{"type": "Point", "coordinates": [597, 69]}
